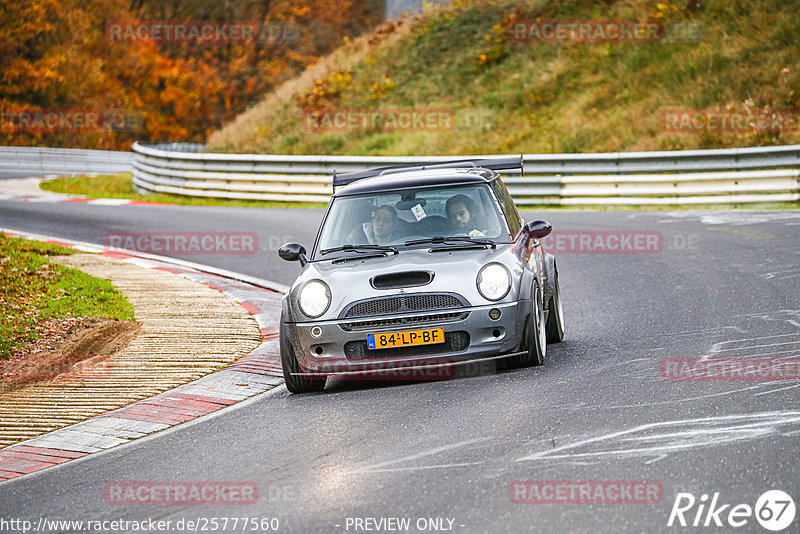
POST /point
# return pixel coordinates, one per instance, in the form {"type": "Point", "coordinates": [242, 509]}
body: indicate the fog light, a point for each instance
{"type": "Point", "coordinates": [494, 314]}
{"type": "Point", "coordinates": [316, 331]}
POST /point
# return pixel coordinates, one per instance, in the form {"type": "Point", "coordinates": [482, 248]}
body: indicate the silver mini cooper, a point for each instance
{"type": "Point", "coordinates": [417, 268]}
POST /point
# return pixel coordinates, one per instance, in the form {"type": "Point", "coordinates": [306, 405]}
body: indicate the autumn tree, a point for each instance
{"type": "Point", "coordinates": [57, 55]}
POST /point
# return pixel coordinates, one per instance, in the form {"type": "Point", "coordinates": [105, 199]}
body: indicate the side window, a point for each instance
{"type": "Point", "coordinates": [509, 208]}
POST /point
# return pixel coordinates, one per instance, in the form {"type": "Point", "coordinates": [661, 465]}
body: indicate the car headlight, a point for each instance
{"type": "Point", "coordinates": [494, 281]}
{"type": "Point", "coordinates": [315, 297]}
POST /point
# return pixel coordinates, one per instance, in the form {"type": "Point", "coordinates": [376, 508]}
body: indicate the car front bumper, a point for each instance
{"type": "Point", "coordinates": [339, 347]}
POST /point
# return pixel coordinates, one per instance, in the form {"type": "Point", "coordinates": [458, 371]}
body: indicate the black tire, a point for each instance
{"type": "Point", "coordinates": [555, 316]}
{"type": "Point", "coordinates": [533, 336]}
{"type": "Point", "coordinates": [295, 382]}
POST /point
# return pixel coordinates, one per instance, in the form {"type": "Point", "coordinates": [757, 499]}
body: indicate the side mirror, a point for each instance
{"type": "Point", "coordinates": [293, 252]}
{"type": "Point", "coordinates": [538, 229]}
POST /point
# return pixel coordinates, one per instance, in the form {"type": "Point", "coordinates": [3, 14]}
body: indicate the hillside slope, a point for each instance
{"type": "Point", "coordinates": [501, 94]}
{"type": "Point", "coordinates": [106, 73]}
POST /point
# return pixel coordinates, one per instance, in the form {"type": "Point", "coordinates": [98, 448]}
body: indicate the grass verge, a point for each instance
{"type": "Point", "coordinates": [665, 207]}
{"type": "Point", "coordinates": [33, 290]}
{"type": "Point", "coordinates": [121, 186]}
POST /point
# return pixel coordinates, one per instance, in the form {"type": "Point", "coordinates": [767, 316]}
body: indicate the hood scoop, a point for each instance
{"type": "Point", "coordinates": [400, 280]}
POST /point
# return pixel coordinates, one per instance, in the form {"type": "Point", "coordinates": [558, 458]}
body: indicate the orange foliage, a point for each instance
{"type": "Point", "coordinates": [56, 55]}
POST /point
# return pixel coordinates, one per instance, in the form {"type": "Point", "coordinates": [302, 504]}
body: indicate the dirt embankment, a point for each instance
{"type": "Point", "coordinates": [68, 348]}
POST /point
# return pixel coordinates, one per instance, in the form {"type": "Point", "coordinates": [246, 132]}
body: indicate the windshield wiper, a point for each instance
{"type": "Point", "coordinates": [358, 248]}
{"type": "Point", "coordinates": [439, 240]}
{"type": "Point", "coordinates": [358, 257]}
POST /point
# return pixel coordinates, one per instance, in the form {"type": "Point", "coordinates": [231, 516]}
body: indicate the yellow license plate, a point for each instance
{"type": "Point", "coordinates": [390, 340]}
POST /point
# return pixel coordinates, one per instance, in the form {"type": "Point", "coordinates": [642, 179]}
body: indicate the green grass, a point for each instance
{"type": "Point", "coordinates": [33, 290]}
{"type": "Point", "coordinates": [121, 186]}
{"type": "Point", "coordinates": [665, 207]}
{"type": "Point", "coordinates": [546, 97]}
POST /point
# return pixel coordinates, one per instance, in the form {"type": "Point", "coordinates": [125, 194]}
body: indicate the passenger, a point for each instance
{"type": "Point", "coordinates": [463, 216]}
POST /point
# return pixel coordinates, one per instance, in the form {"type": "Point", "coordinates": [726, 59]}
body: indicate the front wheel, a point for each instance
{"type": "Point", "coordinates": [533, 336]}
{"type": "Point", "coordinates": [295, 382]}
{"type": "Point", "coordinates": [555, 316]}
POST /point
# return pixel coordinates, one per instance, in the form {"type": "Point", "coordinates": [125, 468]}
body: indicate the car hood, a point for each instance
{"type": "Point", "coordinates": [453, 272]}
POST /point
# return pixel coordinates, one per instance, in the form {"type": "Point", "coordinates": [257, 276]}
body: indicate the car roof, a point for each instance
{"type": "Point", "coordinates": [417, 178]}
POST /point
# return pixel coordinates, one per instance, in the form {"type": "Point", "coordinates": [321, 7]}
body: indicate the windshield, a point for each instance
{"type": "Point", "coordinates": [395, 217]}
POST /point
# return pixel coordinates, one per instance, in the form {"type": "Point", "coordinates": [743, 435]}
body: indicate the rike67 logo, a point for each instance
{"type": "Point", "coordinates": [774, 511]}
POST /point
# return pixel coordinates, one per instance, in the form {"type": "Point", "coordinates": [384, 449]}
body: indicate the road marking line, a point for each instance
{"type": "Point", "coordinates": [422, 454]}
{"type": "Point", "coordinates": [707, 431]}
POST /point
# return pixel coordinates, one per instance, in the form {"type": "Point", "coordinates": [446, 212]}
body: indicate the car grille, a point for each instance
{"type": "Point", "coordinates": [404, 321]}
{"type": "Point", "coordinates": [403, 304]}
{"type": "Point", "coordinates": [453, 342]}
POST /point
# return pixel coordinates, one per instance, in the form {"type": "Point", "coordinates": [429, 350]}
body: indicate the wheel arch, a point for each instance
{"type": "Point", "coordinates": [550, 270]}
{"type": "Point", "coordinates": [526, 284]}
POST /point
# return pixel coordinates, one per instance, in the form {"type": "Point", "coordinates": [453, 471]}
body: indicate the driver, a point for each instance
{"type": "Point", "coordinates": [384, 228]}
{"type": "Point", "coordinates": [463, 216]}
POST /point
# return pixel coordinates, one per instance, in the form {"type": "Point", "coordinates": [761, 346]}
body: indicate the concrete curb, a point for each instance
{"type": "Point", "coordinates": [28, 190]}
{"type": "Point", "coordinates": [253, 374]}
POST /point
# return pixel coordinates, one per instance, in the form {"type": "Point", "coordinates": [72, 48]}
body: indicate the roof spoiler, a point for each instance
{"type": "Point", "coordinates": [495, 164]}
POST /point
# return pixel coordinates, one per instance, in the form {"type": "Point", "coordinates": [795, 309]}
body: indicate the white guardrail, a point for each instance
{"type": "Point", "coordinates": [39, 161]}
{"type": "Point", "coordinates": [739, 175]}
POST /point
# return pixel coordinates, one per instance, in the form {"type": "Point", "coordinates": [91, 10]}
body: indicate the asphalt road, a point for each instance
{"type": "Point", "coordinates": [8, 174]}
{"type": "Point", "coordinates": [103, 224]}
{"type": "Point", "coordinates": [722, 284]}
